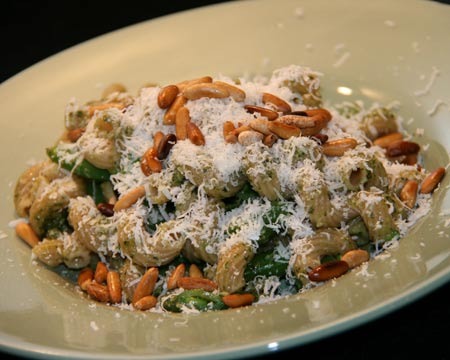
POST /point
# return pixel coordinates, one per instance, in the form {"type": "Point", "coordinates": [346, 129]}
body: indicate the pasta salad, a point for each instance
{"type": "Point", "coordinates": [216, 193]}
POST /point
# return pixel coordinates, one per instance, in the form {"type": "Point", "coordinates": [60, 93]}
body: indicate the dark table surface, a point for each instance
{"type": "Point", "coordinates": [32, 31]}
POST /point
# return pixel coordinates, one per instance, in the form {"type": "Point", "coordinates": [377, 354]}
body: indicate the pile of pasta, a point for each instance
{"type": "Point", "coordinates": [216, 193]}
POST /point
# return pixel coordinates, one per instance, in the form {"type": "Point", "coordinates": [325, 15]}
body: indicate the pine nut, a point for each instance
{"type": "Point", "coordinates": [268, 113]}
{"type": "Point", "coordinates": [249, 137]}
{"type": "Point", "coordinates": [177, 274]}
{"type": "Point", "coordinates": [145, 303]}
{"type": "Point", "coordinates": [238, 300]}
{"type": "Point", "coordinates": [355, 257]}
{"type": "Point", "coordinates": [209, 90]}
{"type": "Point", "coordinates": [279, 104]}
{"type": "Point", "coordinates": [150, 163]}
{"type": "Point", "coordinates": [97, 291]}
{"type": "Point", "coordinates": [74, 134]}
{"type": "Point", "coordinates": [167, 96]}
{"type": "Point", "coordinates": [320, 138]}
{"type": "Point", "coordinates": [195, 272]}
{"type": "Point", "coordinates": [190, 283]}
{"type": "Point", "coordinates": [338, 147]}
{"type": "Point", "coordinates": [270, 139]}
{"type": "Point", "coordinates": [114, 286]}
{"type": "Point", "coordinates": [408, 194]}
{"type": "Point", "coordinates": [129, 198]}
{"type": "Point", "coordinates": [402, 147]}
{"type": "Point", "coordinates": [146, 285]}
{"type": "Point", "coordinates": [182, 119]}
{"type": "Point", "coordinates": [260, 125]}
{"type": "Point", "coordinates": [85, 277]}
{"type": "Point", "coordinates": [106, 209]}
{"type": "Point", "coordinates": [430, 183]}
{"type": "Point", "coordinates": [386, 140]}
{"type": "Point", "coordinates": [328, 271]}
{"type": "Point", "coordinates": [239, 129]}
{"type": "Point", "coordinates": [228, 127]}
{"type": "Point", "coordinates": [27, 234]}
{"type": "Point", "coordinates": [101, 272]}
{"type": "Point", "coordinates": [284, 131]}
{"type": "Point", "coordinates": [157, 138]}
{"type": "Point", "coordinates": [165, 145]}
{"type": "Point", "coordinates": [195, 134]}
{"type": "Point", "coordinates": [184, 84]}
{"type": "Point", "coordinates": [171, 112]}
{"type": "Point", "coordinates": [236, 94]}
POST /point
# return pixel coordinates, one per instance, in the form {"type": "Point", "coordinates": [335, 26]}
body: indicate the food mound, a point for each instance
{"type": "Point", "coordinates": [216, 193]}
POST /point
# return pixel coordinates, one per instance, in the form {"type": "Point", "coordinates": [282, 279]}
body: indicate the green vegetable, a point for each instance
{"type": "Point", "coordinates": [358, 231]}
{"type": "Point", "coordinates": [84, 169]}
{"type": "Point", "coordinates": [271, 217]}
{"type": "Point", "coordinates": [245, 194]}
{"type": "Point", "coordinates": [94, 190]}
{"type": "Point", "coordinates": [265, 264]}
{"type": "Point", "coordinates": [194, 299]}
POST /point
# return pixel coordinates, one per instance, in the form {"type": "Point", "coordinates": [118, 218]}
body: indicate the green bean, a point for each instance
{"type": "Point", "coordinates": [84, 169]}
{"type": "Point", "coordinates": [271, 217]}
{"type": "Point", "coordinates": [94, 190]}
{"type": "Point", "coordinates": [194, 299]}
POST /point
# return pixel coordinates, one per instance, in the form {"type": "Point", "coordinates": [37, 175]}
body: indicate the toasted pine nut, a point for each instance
{"type": "Point", "coordinates": [113, 88]}
{"type": "Point", "coordinates": [184, 84]}
{"type": "Point", "coordinates": [236, 93]}
{"type": "Point", "coordinates": [239, 129]}
{"type": "Point", "coordinates": [279, 104]}
{"type": "Point", "coordinates": [355, 257]}
{"type": "Point", "coordinates": [114, 286]}
{"type": "Point", "coordinates": [284, 131]}
{"type": "Point", "coordinates": [129, 198]}
{"type": "Point", "coordinates": [408, 194]}
{"type": "Point", "coordinates": [85, 277]}
{"type": "Point", "coordinates": [171, 112]}
{"type": "Point", "coordinates": [402, 147]}
{"type": "Point", "coordinates": [101, 272]}
{"type": "Point", "coordinates": [195, 272]}
{"type": "Point", "coordinates": [157, 137]}
{"type": "Point", "coordinates": [328, 271]}
{"type": "Point", "coordinates": [228, 127]}
{"type": "Point", "coordinates": [260, 125]}
{"type": "Point", "coordinates": [182, 119]}
{"type": "Point", "coordinates": [386, 140]}
{"type": "Point", "coordinates": [320, 138]}
{"type": "Point", "coordinates": [410, 159]}
{"type": "Point", "coordinates": [74, 134]}
{"type": "Point", "coordinates": [167, 143]}
{"type": "Point", "coordinates": [430, 183]}
{"type": "Point", "coordinates": [249, 137]}
{"type": "Point", "coordinates": [97, 291]}
{"type": "Point", "coordinates": [106, 209]}
{"type": "Point", "coordinates": [238, 300]}
{"type": "Point", "coordinates": [27, 234]}
{"type": "Point", "coordinates": [146, 285]}
{"type": "Point", "coordinates": [150, 162]}
{"type": "Point", "coordinates": [338, 147]}
{"type": "Point", "coordinates": [231, 138]}
{"type": "Point", "coordinates": [195, 134]}
{"type": "Point", "coordinates": [190, 283]}
{"type": "Point", "coordinates": [177, 274]}
{"type": "Point", "coordinates": [93, 108]}
{"type": "Point", "coordinates": [167, 96]}
{"type": "Point", "coordinates": [270, 139]}
{"type": "Point", "coordinates": [209, 90]}
{"type": "Point", "coordinates": [145, 303]}
{"type": "Point", "coordinates": [268, 113]}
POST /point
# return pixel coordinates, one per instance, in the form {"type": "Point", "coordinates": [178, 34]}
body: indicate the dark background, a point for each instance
{"type": "Point", "coordinates": [33, 30]}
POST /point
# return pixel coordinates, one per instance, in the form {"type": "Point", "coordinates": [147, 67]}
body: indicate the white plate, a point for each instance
{"type": "Point", "coordinates": [374, 48]}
